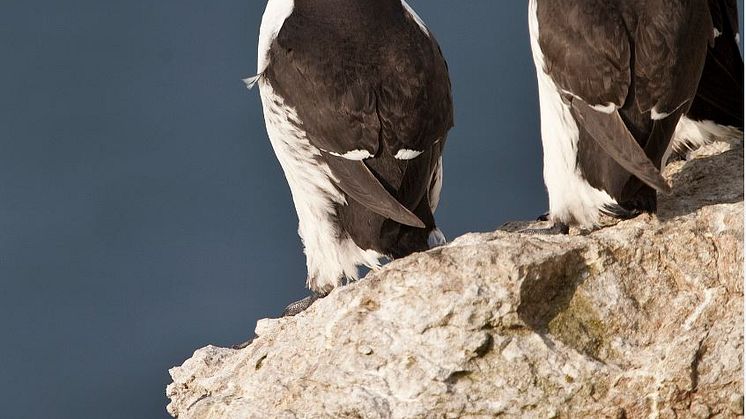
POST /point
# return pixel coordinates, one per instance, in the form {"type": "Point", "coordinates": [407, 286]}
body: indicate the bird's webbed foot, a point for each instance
{"type": "Point", "coordinates": [619, 212]}
{"type": "Point", "coordinates": [543, 217]}
{"type": "Point", "coordinates": [555, 229]}
{"type": "Point", "coordinates": [243, 345]}
{"type": "Point", "coordinates": [293, 309]}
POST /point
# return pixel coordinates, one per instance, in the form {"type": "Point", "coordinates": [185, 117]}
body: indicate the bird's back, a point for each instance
{"type": "Point", "coordinates": [369, 82]}
{"type": "Point", "coordinates": [640, 58]}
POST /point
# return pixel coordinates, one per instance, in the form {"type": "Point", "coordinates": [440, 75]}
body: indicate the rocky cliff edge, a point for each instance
{"type": "Point", "coordinates": [643, 318]}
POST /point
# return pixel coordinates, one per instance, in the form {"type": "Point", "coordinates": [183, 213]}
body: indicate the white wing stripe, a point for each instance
{"type": "Point", "coordinates": [405, 154]}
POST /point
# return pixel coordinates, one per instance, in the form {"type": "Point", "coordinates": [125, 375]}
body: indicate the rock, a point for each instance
{"type": "Point", "coordinates": [736, 404]}
{"type": "Point", "coordinates": [643, 318]}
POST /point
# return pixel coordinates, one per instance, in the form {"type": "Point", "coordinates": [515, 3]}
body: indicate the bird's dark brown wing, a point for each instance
{"type": "Point", "coordinates": [586, 50]}
{"type": "Point", "coordinates": [720, 93]}
{"type": "Point", "coordinates": [387, 98]}
{"type": "Point", "coordinates": [670, 48]}
{"type": "Point", "coordinates": [588, 55]}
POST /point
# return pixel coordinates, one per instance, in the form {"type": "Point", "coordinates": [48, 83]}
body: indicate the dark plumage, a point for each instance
{"type": "Point", "coordinates": [720, 93]}
{"type": "Point", "coordinates": [367, 87]}
{"type": "Point", "coordinates": [625, 71]}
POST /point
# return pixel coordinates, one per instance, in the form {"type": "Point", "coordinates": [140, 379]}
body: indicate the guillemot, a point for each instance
{"type": "Point", "coordinates": [615, 77]}
{"type": "Point", "coordinates": [357, 103]}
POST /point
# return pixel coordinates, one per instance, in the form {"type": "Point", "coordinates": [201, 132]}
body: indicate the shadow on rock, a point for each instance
{"type": "Point", "coordinates": [704, 181]}
{"type": "Point", "coordinates": [549, 287]}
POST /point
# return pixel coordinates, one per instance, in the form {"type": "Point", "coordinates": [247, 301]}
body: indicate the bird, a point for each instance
{"type": "Point", "coordinates": [357, 103]}
{"type": "Point", "coordinates": [717, 110]}
{"type": "Point", "coordinates": [614, 78]}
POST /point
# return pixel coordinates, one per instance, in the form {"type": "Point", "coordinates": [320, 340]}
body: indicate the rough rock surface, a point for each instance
{"type": "Point", "coordinates": [639, 319]}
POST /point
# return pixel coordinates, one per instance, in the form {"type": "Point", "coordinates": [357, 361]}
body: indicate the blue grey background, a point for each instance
{"type": "Point", "coordinates": [142, 212]}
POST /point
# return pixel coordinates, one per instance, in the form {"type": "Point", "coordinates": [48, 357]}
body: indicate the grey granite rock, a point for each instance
{"type": "Point", "coordinates": [642, 318]}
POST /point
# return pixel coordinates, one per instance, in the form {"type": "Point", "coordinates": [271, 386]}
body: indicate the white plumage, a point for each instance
{"type": "Point", "coordinates": [329, 257]}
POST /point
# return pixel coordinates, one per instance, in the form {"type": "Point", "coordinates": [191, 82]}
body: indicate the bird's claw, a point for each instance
{"type": "Point", "coordinates": [299, 306]}
{"type": "Point", "coordinates": [555, 229]}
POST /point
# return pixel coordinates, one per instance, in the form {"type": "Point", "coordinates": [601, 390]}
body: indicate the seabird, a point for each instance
{"type": "Point", "coordinates": [717, 110]}
{"type": "Point", "coordinates": [357, 104]}
{"type": "Point", "coordinates": [615, 77]}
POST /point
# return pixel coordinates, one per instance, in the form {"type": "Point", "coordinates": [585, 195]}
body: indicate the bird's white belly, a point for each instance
{"type": "Point", "coordinates": [571, 197]}
{"type": "Point", "coordinates": [331, 255]}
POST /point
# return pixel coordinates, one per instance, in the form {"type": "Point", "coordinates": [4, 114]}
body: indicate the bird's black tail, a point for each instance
{"type": "Point", "coordinates": [720, 95]}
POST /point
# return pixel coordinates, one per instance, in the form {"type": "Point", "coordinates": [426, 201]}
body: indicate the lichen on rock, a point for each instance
{"type": "Point", "coordinates": [641, 318]}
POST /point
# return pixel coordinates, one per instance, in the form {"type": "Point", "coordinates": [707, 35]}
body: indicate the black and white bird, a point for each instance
{"type": "Point", "coordinates": [357, 104]}
{"type": "Point", "coordinates": [615, 77]}
{"type": "Point", "coordinates": [717, 110]}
